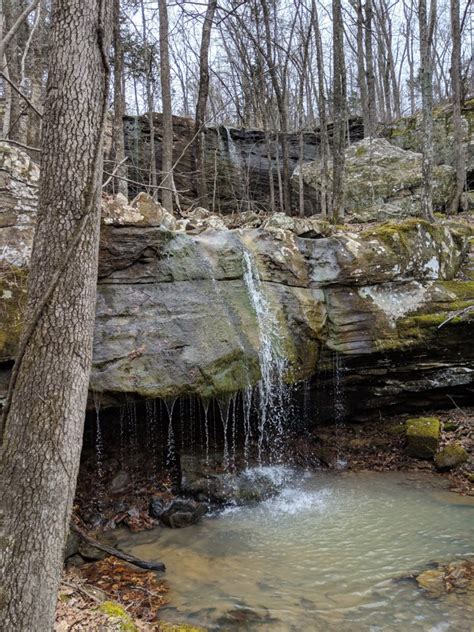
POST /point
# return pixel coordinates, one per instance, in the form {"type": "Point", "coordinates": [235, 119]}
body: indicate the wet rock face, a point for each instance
{"type": "Point", "coordinates": [383, 181]}
{"type": "Point", "coordinates": [175, 313]}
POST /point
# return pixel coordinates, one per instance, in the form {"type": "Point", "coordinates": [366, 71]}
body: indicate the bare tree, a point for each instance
{"type": "Point", "coordinates": [456, 99]}
{"type": "Point", "coordinates": [201, 105]}
{"type": "Point", "coordinates": [167, 140]}
{"type": "Point", "coordinates": [118, 140]}
{"type": "Point", "coordinates": [427, 21]}
{"type": "Point", "coordinates": [44, 411]}
{"type": "Point", "coordinates": [339, 112]}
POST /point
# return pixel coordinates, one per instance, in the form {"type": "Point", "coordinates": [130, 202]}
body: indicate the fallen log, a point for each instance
{"type": "Point", "coordinates": [131, 559]}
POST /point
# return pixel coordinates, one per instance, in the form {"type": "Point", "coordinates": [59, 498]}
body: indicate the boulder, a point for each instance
{"type": "Point", "coordinates": [182, 513]}
{"type": "Point", "coordinates": [406, 133]}
{"type": "Point", "coordinates": [456, 577]}
{"type": "Point", "coordinates": [451, 456]}
{"type": "Point", "coordinates": [383, 181]}
{"type": "Point", "coordinates": [142, 211]}
{"type": "Point", "coordinates": [423, 437]}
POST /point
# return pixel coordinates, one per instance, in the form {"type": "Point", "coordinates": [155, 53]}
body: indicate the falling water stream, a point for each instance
{"type": "Point", "coordinates": [273, 393]}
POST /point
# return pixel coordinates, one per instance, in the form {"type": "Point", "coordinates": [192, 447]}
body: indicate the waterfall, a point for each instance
{"type": "Point", "coordinates": [273, 393]}
{"type": "Point", "coordinates": [235, 156]}
{"type": "Point", "coordinates": [229, 148]}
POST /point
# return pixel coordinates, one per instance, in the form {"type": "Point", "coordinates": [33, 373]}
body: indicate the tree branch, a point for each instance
{"type": "Point", "coordinates": [22, 94]}
{"type": "Point", "coordinates": [131, 559]}
{"type": "Point", "coordinates": [14, 29]}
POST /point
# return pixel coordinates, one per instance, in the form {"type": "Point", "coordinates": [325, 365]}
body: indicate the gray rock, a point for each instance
{"type": "Point", "coordinates": [383, 181]}
{"type": "Point", "coordinates": [120, 482]}
{"type": "Point", "coordinates": [156, 507]}
{"type": "Point", "coordinates": [182, 513]}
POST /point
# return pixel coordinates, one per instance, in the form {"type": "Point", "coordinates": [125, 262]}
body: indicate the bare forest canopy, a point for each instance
{"type": "Point", "coordinates": [284, 67]}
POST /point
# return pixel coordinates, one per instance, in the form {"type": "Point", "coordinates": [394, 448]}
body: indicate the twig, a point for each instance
{"type": "Point", "coordinates": [131, 559]}
{"type": "Point", "coordinates": [113, 174]}
{"type": "Point", "coordinates": [12, 32]}
{"type": "Point", "coordinates": [15, 142]}
{"type": "Point", "coordinates": [82, 590]}
{"type": "Point", "coordinates": [460, 409]}
{"type": "Point", "coordinates": [458, 313]}
{"type": "Point", "coordinates": [142, 184]}
{"type": "Point", "coordinates": [22, 94]}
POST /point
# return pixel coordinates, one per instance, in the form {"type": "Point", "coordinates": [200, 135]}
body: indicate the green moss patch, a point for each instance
{"type": "Point", "coordinates": [423, 436]}
{"type": "Point", "coordinates": [115, 610]}
{"type": "Point", "coordinates": [451, 456]}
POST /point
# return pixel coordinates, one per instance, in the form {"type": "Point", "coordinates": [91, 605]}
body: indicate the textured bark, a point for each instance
{"type": "Point", "coordinates": [44, 412]}
{"type": "Point", "coordinates": [426, 26]}
{"type": "Point", "coordinates": [167, 143]}
{"type": "Point", "coordinates": [456, 90]}
{"type": "Point", "coordinates": [201, 104]}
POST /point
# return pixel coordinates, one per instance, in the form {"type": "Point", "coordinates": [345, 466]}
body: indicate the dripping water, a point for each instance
{"type": "Point", "coordinates": [99, 445]}
{"type": "Point", "coordinates": [339, 406]}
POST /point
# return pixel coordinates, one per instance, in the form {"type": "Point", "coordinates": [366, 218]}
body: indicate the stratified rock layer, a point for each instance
{"type": "Point", "coordinates": [175, 315]}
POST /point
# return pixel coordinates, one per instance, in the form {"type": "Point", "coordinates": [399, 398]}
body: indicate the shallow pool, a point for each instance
{"type": "Point", "coordinates": [326, 554]}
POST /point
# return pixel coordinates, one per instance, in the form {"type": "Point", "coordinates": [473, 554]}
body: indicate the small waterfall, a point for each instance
{"type": "Point", "coordinates": [273, 393]}
{"type": "Point", "coordinates": [235, 156]}
{"type": "Point", "coordinates": [228, 148]}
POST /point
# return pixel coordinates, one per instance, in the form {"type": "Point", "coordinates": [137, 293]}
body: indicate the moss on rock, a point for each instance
{"type": "Point", "coordinates": [423, 436]}
{"type": "Point", "coordinates": [116, 611]}
{"type": "Point", "coordinates": [451, 456]}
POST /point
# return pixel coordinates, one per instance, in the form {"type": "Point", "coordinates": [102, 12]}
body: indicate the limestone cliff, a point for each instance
{"type": "Point", "coordinates": [175, 313]}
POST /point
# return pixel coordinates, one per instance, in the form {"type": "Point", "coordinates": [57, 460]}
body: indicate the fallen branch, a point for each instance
{"type": "Point", "coordinates": [460, 312]}
{"type": "Point", "coordinates": [131, 559]}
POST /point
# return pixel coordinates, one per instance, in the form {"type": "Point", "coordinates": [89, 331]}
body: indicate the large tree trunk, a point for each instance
{"type": "Point", "coordinates": [167, 142]}
{"type": "Point", "coordinates": [456, 92]}
{"type": "Point", "coordinates": [44, 412]}
{"type": "Point", "coordinates": [427, 26]}
{"type": "Point", "coordinates": [201, 104]}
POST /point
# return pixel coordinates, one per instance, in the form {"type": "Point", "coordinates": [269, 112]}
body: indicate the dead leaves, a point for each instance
{"type": "Point", "coordinates": [139, 591]}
